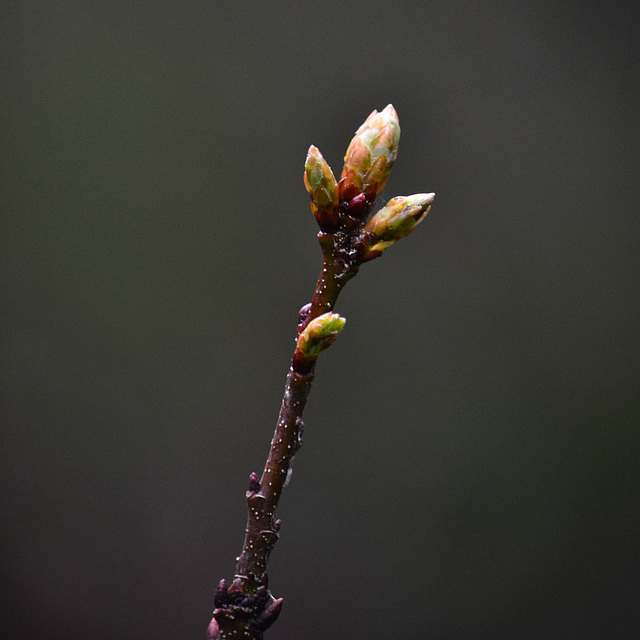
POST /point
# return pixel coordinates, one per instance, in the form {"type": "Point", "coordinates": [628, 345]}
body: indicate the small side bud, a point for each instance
{"type": "Point", "coordinates": [322, 188]}
{"type": "Point", "coordinates": [394, 221]}
{"type": "Point", "coordinates": [370, 156]}
{"type": "Point", "coordinates": [303, 313]}
{"type": "Point", "coordinates": [254, 483]}
{"type": "Point", "coordinates": [269, 615]}
{"type": "Point", "coordinates": [213, 631]}
{"type": "Point", "coordinates": [318, 335]}
{"type": "Point", "coordinates": [221, 594]}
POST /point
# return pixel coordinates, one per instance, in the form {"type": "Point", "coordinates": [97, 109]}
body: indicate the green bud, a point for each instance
{"type": "Point", "coordinates": [370, 155]}
{"type": "Point", "coordinates": [396, 220]}
{"type": "Point", "coordinates": [319, 334]}
{"type": "Point", "coordinates": [322, 187]}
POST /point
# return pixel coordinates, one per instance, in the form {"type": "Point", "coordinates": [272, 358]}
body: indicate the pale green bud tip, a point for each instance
{"type": "Point", "coordinates": [396, 220]}
{"type": "Point", "coordinates": [320, 334]}
{"type": "Point", "coordinates": [422, 200]}
{"type": "Point", "coordinates": [317, 172]}
{"type": "Point", "coordinates": [381, 127]}
{"type": "Point", "coordinates": [322, 187]}
{"type": "Point", "coordinates": [313, 167]}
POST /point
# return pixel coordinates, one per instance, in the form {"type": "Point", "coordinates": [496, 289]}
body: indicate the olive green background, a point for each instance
{"type": "Point", "coordinates": [471, 458]}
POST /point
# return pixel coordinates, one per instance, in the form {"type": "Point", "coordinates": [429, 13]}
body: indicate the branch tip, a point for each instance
{"type": "Point", "coordinates": [349, 236]}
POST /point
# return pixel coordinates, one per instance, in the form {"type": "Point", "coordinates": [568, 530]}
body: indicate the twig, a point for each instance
{"type": "Point", "coordinates": [348, 237]}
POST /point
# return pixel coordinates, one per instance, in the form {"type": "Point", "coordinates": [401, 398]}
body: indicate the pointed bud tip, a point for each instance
{"type": "Point", "coordinates": [213, 631]}
{"type": "Point", "coordinates": [322, 188]}
{"type": "Point", "coordinates": [313, 151]}
{"type": "Point", "coordinates": [221, 593]}
{"type": "Point", "coordinates": [421, 199]}
{"type": "Point", "coordinates": [268, 616]}
{"type": "Point", "coordinates": [390, 111]}
{"type": "Point", "coordinates": [271, 613]}
{"type": "Point", "coordinates": [331, 322]}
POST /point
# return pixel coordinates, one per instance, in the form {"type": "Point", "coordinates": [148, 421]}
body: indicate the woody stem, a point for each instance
{"type": "Point", "coordinates": [340, 263]}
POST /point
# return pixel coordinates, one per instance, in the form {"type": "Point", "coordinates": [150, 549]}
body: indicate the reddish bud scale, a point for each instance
{"type": "Point", "coordinates": [359, 206]}
{"type": "Point", "coordinates": [348, 187]}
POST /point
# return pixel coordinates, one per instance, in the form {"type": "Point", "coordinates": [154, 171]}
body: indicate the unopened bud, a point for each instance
{"type": "Point", "coordinates": [319, 334]}
{"type": "Point", "coordinates": [213, 631]}
{"type": "Point", "coordinates": [394, 221]}
{"type": "Point", "coordinates": [269, 615]}
{"type": "Point", "coordinates": [322, 187]}
{"type": "Point", "coordinates": [370, 155]}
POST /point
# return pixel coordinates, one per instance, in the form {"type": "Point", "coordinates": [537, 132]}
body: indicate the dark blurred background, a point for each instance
{"type": "Point", "coordinates": [471, 458]}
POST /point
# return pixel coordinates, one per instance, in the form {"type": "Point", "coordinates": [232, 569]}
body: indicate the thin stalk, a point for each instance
{"type": "Point", "coordinates": [348, 237]}
{"type": "Point", "coordinates": [264, 494]}
{"type": "Point", "coordinates": [246, 608]}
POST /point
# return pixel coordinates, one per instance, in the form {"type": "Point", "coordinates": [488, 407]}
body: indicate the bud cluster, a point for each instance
{"type": "Point", "coordinates": [347, 203]}
{"type": "Point", "coordinates": [367, 163]}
